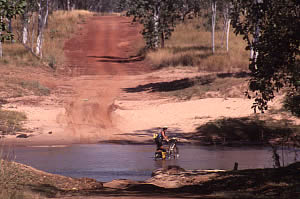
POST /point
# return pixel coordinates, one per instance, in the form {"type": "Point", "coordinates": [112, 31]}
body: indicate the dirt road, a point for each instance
{"type": "Point", "coordinates": [99, 56]}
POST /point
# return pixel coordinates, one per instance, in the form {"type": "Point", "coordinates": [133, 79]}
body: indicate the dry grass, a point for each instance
{"type": "Point", "coordinates": [190, 45]}
{"type": "Point", "coordinates": [61, 26]}
{"type": "Point", "coordinates": [10, 121]}
{"type": "Point", "coordinates": [11, 87]}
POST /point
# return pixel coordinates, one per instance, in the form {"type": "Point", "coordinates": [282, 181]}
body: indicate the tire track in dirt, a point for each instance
{"type": "Point", "coordinates": [99, 56]}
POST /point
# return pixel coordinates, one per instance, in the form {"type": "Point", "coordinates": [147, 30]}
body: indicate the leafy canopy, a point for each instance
{"type": "Point", "coordinates": [8, 10]}
{"type": "Point", "coordinates": [277, 47]}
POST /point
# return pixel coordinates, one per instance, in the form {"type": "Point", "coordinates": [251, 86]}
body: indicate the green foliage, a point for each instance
{"type": "Point", "coordinates": [8, 10]}
{"type": "Point", "coordinates": [277, 47]}
{"type": "Point", "coordinates": [292, 103]}
{"type": "Point", "coordinates": [158, 18]}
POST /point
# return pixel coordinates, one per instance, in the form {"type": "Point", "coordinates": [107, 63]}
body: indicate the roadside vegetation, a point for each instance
{"type": "Point", "coordinates": [10, 122]}
{"type": "Point", "coordinates": [190, 45]}
{"type": "Point", "coordinates": [61, 26]}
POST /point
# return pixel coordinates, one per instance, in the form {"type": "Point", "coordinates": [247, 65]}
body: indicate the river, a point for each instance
{"type": "Point", "coordinates": [106, 162]}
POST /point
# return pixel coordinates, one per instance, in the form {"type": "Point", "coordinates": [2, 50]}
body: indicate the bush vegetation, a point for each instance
{"type": "Point", "coordinates": [11, 121]}
{"type": "Point", "coordinates": [61, 26]}
{"type": "Point", "coordinates": [190, 45]}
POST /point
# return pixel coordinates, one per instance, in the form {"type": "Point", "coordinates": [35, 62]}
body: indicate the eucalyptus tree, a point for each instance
{"type": "Point", "coordinates": [43, 12]}
{"type": "Point", "coordinates": [28, 17]}
{"type": "Point", "coordinates": [189, 7]}
{"type": "Point", "coordinates": [213, 22]}
{"type": "Point", "coordinates": [275, 25]}
{"type": "Point", "coordinates": [8, 10]}
{"type": "Point", "coordinates": [226, 7]}
{"type": "Point", "coordinates": [158, 18]}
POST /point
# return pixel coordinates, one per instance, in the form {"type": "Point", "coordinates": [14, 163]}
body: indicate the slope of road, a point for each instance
{"type": "Point", "coordinates": [99, 56]}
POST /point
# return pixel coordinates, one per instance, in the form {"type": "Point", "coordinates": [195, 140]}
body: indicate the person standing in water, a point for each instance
{"type": "Point", "coordinates": [159, 141]}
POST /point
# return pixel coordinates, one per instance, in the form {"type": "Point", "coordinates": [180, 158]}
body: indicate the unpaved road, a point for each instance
{"type": "Point", "coordinates": [99, 56]}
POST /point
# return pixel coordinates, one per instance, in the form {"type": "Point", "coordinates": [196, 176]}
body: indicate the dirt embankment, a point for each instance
{"type": "Point", "coordinates": [171, 182]}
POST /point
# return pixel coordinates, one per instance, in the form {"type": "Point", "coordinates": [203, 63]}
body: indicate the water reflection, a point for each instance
{"type": "Point", "coordinates": [106, 162]}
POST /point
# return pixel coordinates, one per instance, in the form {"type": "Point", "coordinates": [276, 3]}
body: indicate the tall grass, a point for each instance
{"type": "Point", "coordinates": [11, 121]}
{"type": "Point", "coordinates": [61, 26]}
{"type": "Point", "coordinates": [190, 45]}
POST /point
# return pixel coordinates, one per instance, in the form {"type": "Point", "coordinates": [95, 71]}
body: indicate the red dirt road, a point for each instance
{"type": "Point", "coordinates": [99, 55]}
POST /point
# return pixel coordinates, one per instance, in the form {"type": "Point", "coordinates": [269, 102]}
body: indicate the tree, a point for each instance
{"type": "Point", "coordinates": [213, 22]}
{"type": "Point", "coordinates": [158, 17]}
{"type": "Point", "coordinates": [8, 10]}
{"type": "Point", "coordinates": [226, 5]}
{"type": "Point", "coordinates": [275, 25]}
{"type": "Point", "coordinates": [43, 11]}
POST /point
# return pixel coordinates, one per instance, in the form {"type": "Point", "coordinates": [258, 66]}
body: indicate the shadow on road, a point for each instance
{"type": "Point", "coordinates": [114, 59]}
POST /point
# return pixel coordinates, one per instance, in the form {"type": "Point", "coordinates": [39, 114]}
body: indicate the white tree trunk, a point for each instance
{"type": "Point", "coordinates": [227, 34]}
{"type": "Point", "coordinates": [156, 24]}
{"type": "Point", "coordinates": [1, 50]}
{"type": "Point", "coordinates": [32, 32]}
{"type": "Point", "coordinates": [213, 23]}
{"type": "Point", "coordinates": [253, 53]}
{"type": "Point", "coordinates": [42, 20]}
{"type": "Point", "coordinates": [25, 29]}
{"type": "Point", "coordinates": [68, 5]}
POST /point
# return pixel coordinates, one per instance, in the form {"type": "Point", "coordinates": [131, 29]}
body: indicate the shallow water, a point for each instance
{"type": "Point", "coordinates": [105, 162]}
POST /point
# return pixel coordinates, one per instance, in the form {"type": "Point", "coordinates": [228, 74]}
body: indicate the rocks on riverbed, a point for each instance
{"type": "Point", "coordinates": [175, 177]}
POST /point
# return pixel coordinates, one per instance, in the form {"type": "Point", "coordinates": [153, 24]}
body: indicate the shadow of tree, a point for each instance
{"type": "Point", "coordinates": [113, 59]}
{"type": "Point", "coordinates": [172, 85]}
{"type": "Point", "coordinates": [241, 130]}
{"type": "Point", "coordinates": [183, 83]}
{"type": "Point", "coordinates": [241, 74]}
{"type": "Point", "coordinates": [180, 49]}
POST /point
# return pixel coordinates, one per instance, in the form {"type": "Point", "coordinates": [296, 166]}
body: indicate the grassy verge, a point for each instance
{"type": "Point", "coordinates": [18, 87]}
{"type": "Point", "coordinates": [11, 121]}
{"type": "Point", "coordinates": [190, 45]}
{"type": "Point", "coordinates": [20, 71]}
{"type": "Point", "coordinates": [61, 26]}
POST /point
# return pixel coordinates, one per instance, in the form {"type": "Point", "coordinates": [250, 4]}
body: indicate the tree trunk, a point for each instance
{"type": "Point", "coordinates": [1, 50]}
{"type": "Point", "coordinates": [227, 34]}
{"type": "Point", "coordinates": [253, 53]}
{"type": "Point", "coordinates": [68, 5]}
{"type": "Point", "coordinates": [32, 32]}
{"type": "Point", "coordinates": [162, 43]}
{"type": "Point", "coordinates": [25, 29]}
{"type": "Point", "coordinates": [42, 20]}
{"type": "Point", "coordinates": [156, 24]}
{"type": "Point", "coordinates": [213, 25]}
